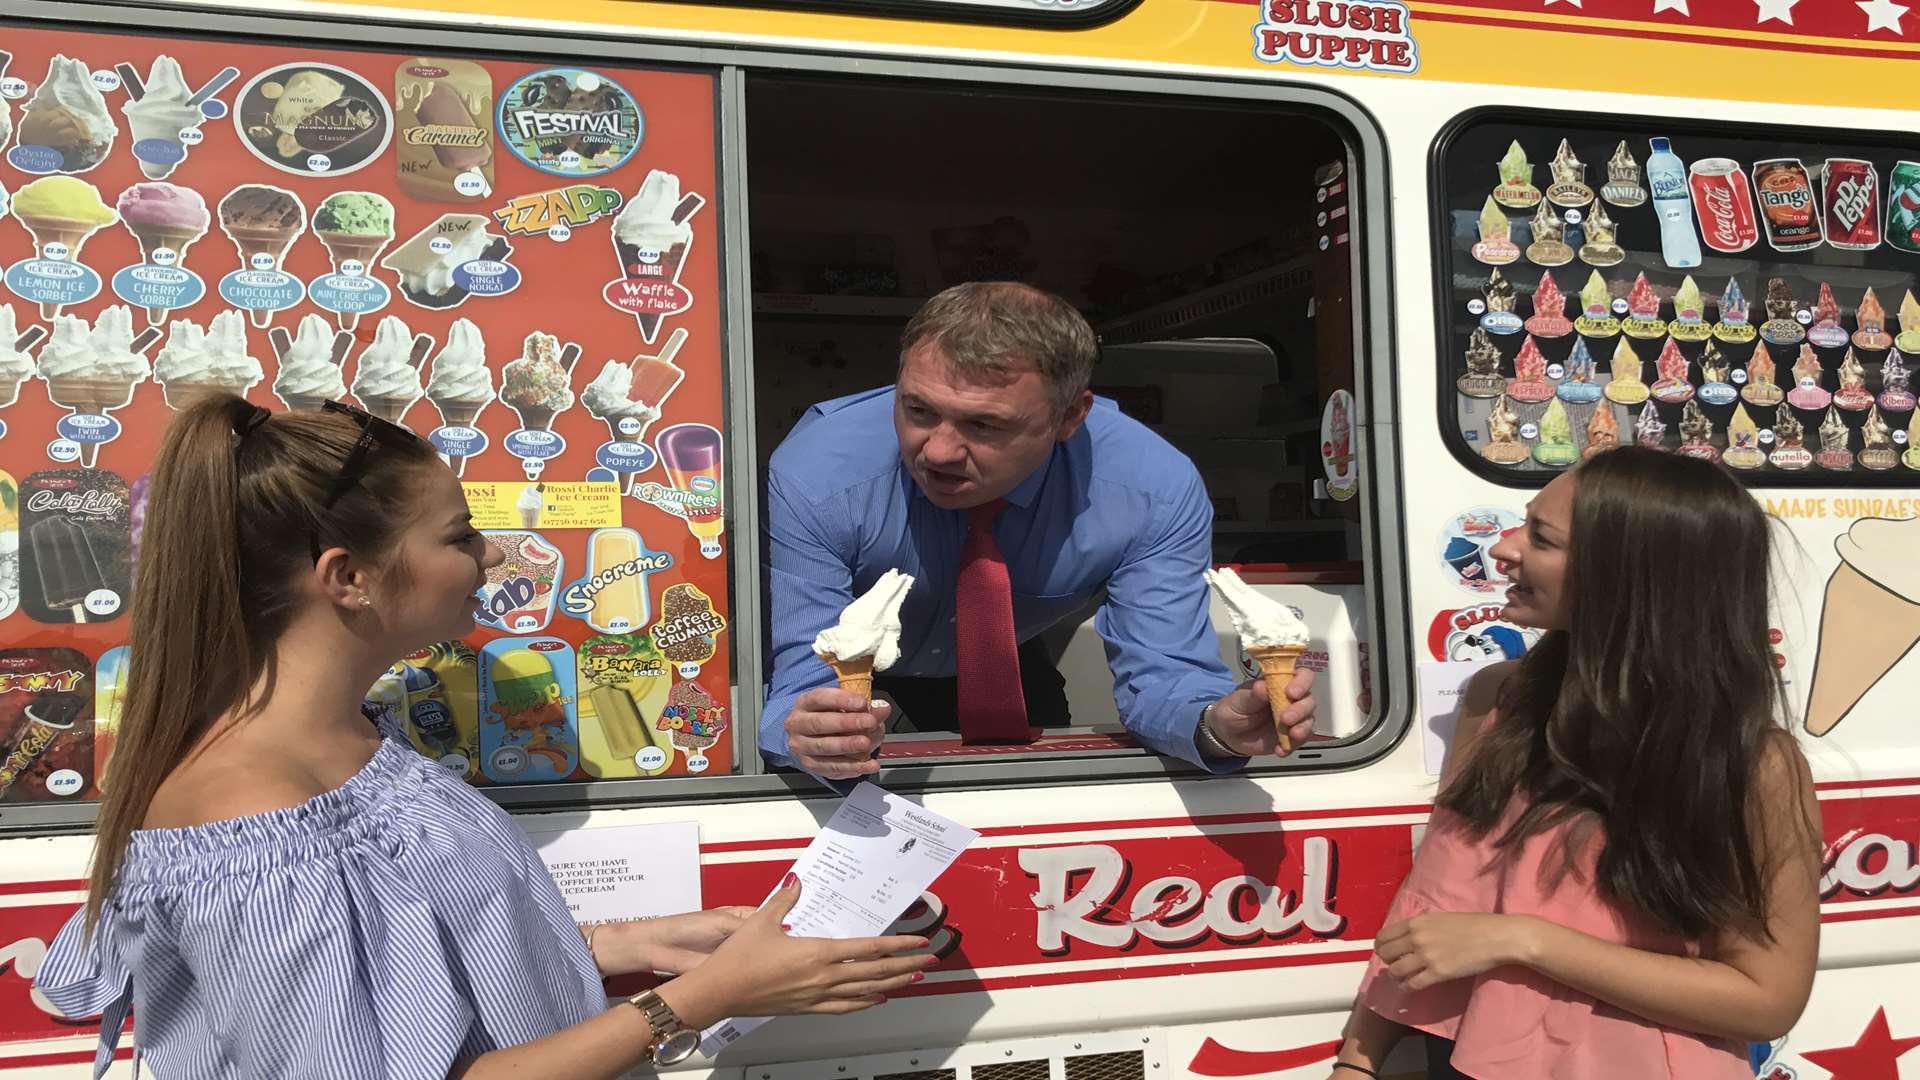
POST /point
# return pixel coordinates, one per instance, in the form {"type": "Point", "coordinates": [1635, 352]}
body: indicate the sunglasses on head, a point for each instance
{"type": "Point", "coordinates": [374, 433]}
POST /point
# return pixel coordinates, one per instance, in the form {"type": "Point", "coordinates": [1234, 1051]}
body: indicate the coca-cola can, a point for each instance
{"type": "Point", "coordinates": [1724, 204]}
{"type": "Point", "coordinates": [1788, 206]}
{"type": "Point", "coordinates": [1851, 194]}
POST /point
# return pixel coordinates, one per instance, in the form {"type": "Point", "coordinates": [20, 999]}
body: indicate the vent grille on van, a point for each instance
{"type": "Point", "coordinates": [1037, 1069]}
{"type": "Point", "coordinates": [1127, 1065]}
{"type": "Point", "coordinates": [931, 1074]}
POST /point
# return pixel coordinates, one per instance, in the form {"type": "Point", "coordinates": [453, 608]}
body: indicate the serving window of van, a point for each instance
{"type": "Point", "coordinates": [1738, 293]}
{"type": "Point", "coordinates": [1208, 263]}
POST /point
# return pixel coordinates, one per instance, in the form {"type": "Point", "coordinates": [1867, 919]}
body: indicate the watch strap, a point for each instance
{"type": "Point", "coordinates": [661, 1018]}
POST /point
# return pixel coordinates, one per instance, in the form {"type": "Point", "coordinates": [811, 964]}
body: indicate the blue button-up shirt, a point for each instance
{"type": "Point", "coordinates": [1114, 507]}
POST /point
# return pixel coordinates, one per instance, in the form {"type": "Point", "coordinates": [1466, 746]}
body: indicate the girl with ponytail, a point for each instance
{"type": "Point", "coordinates": [281, 889]}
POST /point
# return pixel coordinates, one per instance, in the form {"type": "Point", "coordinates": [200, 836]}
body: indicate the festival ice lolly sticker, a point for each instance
{"type": "Point", "coordinates": [689, 628]}
{"type": "Point", "coordinates": [528, 733]}
{"type": "Point", "coordinates": [538, 386]}
{"type": "Point", "coordinates": [262, 221]}
{"type": "Point", "coordinates": [520, 593]}
{"type": "Point", "coordinates": [651, 238]}
{"type": "Point", "coordinates": [93, 372]}
{"type": "Point", "coordinates": [612, 596]}
{"type": "Point", "coordinates": [61, 213]}
{"type": "Point", "coordinates": [166, 220]}
{"type": "Point", "coordinates": [164, 117]}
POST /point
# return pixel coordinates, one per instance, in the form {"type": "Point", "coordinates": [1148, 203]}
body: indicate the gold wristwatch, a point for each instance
{"type": "Point", "coordinates": [673, 1042]}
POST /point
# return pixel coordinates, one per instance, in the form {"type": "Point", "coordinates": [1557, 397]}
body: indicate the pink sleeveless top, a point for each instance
{"type": "Point", "coordinates": [1513, 1023]}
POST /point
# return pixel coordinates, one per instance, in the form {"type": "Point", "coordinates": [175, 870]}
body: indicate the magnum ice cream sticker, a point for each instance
{"type": "Point", "coordinates": [651, 238]}
{"type": "Point", "coordinates": [1870, 620]}
{"type": "Point", "coordinates": [444, 113]}
{"type": "Point", "coordinates": [46, 724]}
{"type": "Point", "coordinates": [75, 546]}
{"type": "Point", "coordinates": [263, 221]}
{"type": "Point", "coordinates": [520, 593]}
{"type": "Point", "coordinates": [528, 732]}
{"type": "Point", "coordinates": [313, 119]}
{"type": "Point", "coordinates": [624, 683]}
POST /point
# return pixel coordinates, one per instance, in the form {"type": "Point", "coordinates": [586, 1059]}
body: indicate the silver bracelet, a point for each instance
{"type": "Point", "coordinates": [1209, 743]}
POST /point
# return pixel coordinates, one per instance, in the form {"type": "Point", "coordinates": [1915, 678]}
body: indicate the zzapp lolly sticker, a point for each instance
{"type": "Point", "coordinates": [528, 733]}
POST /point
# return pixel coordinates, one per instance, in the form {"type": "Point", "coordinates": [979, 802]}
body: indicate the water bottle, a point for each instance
{"type": "Point", "coordinates": [1673, 203]}
{"type": "Point", "coordinates": [427, 708]}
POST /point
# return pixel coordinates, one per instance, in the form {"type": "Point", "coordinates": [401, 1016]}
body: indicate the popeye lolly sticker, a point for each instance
{"type": "Point", "coordinates": [689, 628]}
{"type": "Point", "coordinates": [528, 733]}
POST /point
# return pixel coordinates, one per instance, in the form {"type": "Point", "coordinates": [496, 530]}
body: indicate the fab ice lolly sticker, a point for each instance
{"type": "Point", "coordinates": [520, 593]}
{"type": "Point", "coordinates": [75, 546]}
{"type": "Point", "coordinates": [528, 731]}
{"type": "Point", "coordinates": [613, 595]}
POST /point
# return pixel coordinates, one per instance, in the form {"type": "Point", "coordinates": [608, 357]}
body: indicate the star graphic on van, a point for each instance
{"type": "Point", "coordinates": [1883, 15]}
{"type": "Point", "coordinates": [1671, 5]}
{"type": "Point", "coordinates": [1875, 1055]}
{"type": "Point", "coordinates": [1776, 9]}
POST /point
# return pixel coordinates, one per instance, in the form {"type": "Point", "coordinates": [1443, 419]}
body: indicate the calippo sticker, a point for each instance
{"type": "Point", "coordinates": [689, 628]}
{"type": "Point", "coordinates": [528, 732]}
{"type": "Point", "coordinates": [1787, 204]}
{"type": "Point", "coordinates": [1478, 633]}
{"type": "Point", "coordinates": [540, 212]}
{"type": "Point", "coordinates": [570, 122]}
{"type": "Point", "coordinates": [612, 596]}
{"type": "Point", "coordinates": [1851, 195]}
{"type": "Point", "coordinates": [1724, 205]}
{"type": "Point", "coordinates": [520, 593]}
{"type": "Point", "coordinates": [1466, 543]}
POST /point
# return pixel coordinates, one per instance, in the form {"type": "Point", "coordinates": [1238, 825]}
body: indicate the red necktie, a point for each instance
{"type": "Point", "coordinates": [992, 707]}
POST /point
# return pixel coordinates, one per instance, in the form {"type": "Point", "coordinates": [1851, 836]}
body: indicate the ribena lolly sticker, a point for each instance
{"type": "Point", "coordinates": [263, 221]}
{"type": "Point", "coordinates": [651, 239]}
{"type": "Point", "coordinates": [46, 724]}
{"type": "Point", "coordinates": [689, 629]}
{"type": "Point", "coordinates": [313, 119]}
{"type": "Point", "coordinates": [521, 592]}
{"type": "Point", "coordinates": [528, 733]}
{"type": "Point", "coordinates": [61, 213]}
{"type": "Point", "coordinates": [164, 115]}
{"type": "Point", "coordinates": [75, 546]}
{"type": "Point", "coordinates": [443, 112]}
{"type": "Point", "coordinates": [66, 127]}
{"type": "Point", "coordinates": [166, 220]}
{"type": "Point", "coordinates": [613, 596]}
{"type": "Point", "coordinates": [624, 683]}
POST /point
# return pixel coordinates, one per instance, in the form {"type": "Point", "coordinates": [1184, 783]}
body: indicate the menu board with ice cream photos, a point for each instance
{"type": "Point", "coordinates": [1738, 293]}
{"type": "Point", "coordinates": [517, 260]}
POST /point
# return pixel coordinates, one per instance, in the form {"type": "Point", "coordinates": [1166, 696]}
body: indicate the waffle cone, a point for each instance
{"type": "Point", "coordinates": [1864, 631]}
{"type": "Point", "coordinates": [1276, 669]}
{"type": "Point", "coordinates": [9, 392]}
{"type": "Point", "coordinates": [56, 230]}
{"type": "Point", "coordinates": [459, 413]}
{"type": "Point", "coordinates": [855, 675]}
{"type": "Point", "coordinates": [390, 409]}
{"type": "Point", "coordinates": [90, 395]}
{"type": "Point", "coordinates": [534, 418]}
{"type": "Point", "coordinates": [303, 402]}
{"type": "Point", "coordinates": [344, 246]}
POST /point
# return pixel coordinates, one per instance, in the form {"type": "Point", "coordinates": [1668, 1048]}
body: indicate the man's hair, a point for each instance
{"type": "Point", "coordinates": [995, 326]}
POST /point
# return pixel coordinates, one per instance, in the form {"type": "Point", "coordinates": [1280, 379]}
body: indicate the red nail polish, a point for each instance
{"type": "Point", "coordinates": [786, 928]}
{"type": "Point", "coordinates": [790, 880]}
{"type": "Point", "coordinates": [917, 976]}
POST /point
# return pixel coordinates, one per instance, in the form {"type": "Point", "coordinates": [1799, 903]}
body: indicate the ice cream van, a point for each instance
{"type": "Point", "coordinates": [1379, 268]}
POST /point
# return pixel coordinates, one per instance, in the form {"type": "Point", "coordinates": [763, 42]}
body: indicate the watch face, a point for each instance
{"type": "Point", "coordinates": [677, 1047]}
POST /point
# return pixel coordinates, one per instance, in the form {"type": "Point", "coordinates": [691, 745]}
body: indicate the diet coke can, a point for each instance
{"type": "Point", "coordinates": [1724, 204]}
{"type": "Point", "coordinates": [1787, 204]}
{"type": "Point", "coordinates": [1852, 197]}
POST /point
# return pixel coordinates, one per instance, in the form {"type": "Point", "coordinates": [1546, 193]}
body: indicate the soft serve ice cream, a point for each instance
{"type": "Point", "coordinates": [1272, 635]}
{"type": "Point", "coordinates": [69, 117]}
{"type": "Point", "coordinates": [159, 116]}
{"type": "Point", "coordinates": [388, 382]}
{"type": "Point", "coordinates": [867, 637]}
{"type": "Point", "coordinates": [461, 386]}
{"type": "Point", "coordinates": [310, 367]}
{"type": "Point", "coordinates": [215, 359]}
{"type": "Point", "coordinates": [16, 364]}
{"type": "Point", "coordinates": [609, 396]}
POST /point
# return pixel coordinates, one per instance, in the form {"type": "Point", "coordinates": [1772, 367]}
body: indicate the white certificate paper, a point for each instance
{"type": "Point", "coordinates": [873, 859]}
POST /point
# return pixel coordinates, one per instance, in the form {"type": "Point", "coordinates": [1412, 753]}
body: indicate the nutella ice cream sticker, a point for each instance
{"type": "Point", "coordinates": [313, 119]}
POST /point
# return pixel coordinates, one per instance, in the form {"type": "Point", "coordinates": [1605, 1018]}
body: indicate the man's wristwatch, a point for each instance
{"type": "Point", "coordinates": [1209, 743]}
{"type": "Point", "coordinates": [673, 1042]}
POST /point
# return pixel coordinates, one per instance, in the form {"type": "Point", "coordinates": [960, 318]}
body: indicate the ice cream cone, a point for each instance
{"type": "Point", "coordinates": [390, 409]}
{"type": "Point", "coordinates": [9, 392]}
{"type": "Point", "coordinates": [530, 519]}
{"type": "Point", "coordinates": [1864, 631]}
{"type": "Point", "coordinates": [343, 246]}
{"type": "Point", "coordinates": [252, 241]}
{"type": "Point", "coordinates": [175, 240]}
{"type": "Point", "coordinates": [534, 418]}
{"type": "Point", "coordinates": [855, 675]}
{"type": "Point", "coordinates": [181, 396]}
{"type": "Point", "coordinates": [634, 439]}
{"type": "Point", "coordinates": [54, 230]}
{"type": "Point", "coordinates": [458, 414]}
{"type": "Point", "coordinates": [304, 402]}
{"type": "Point", "coordinates": [93, 396]}
{"type": "Point", "coordinates": [1276, 668]}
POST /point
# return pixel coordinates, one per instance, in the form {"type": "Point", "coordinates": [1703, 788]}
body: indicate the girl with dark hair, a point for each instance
{"type": "Point", "coordinates": [280, 889]}
{"type": "Point", "coordinates": [1621, 874]}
